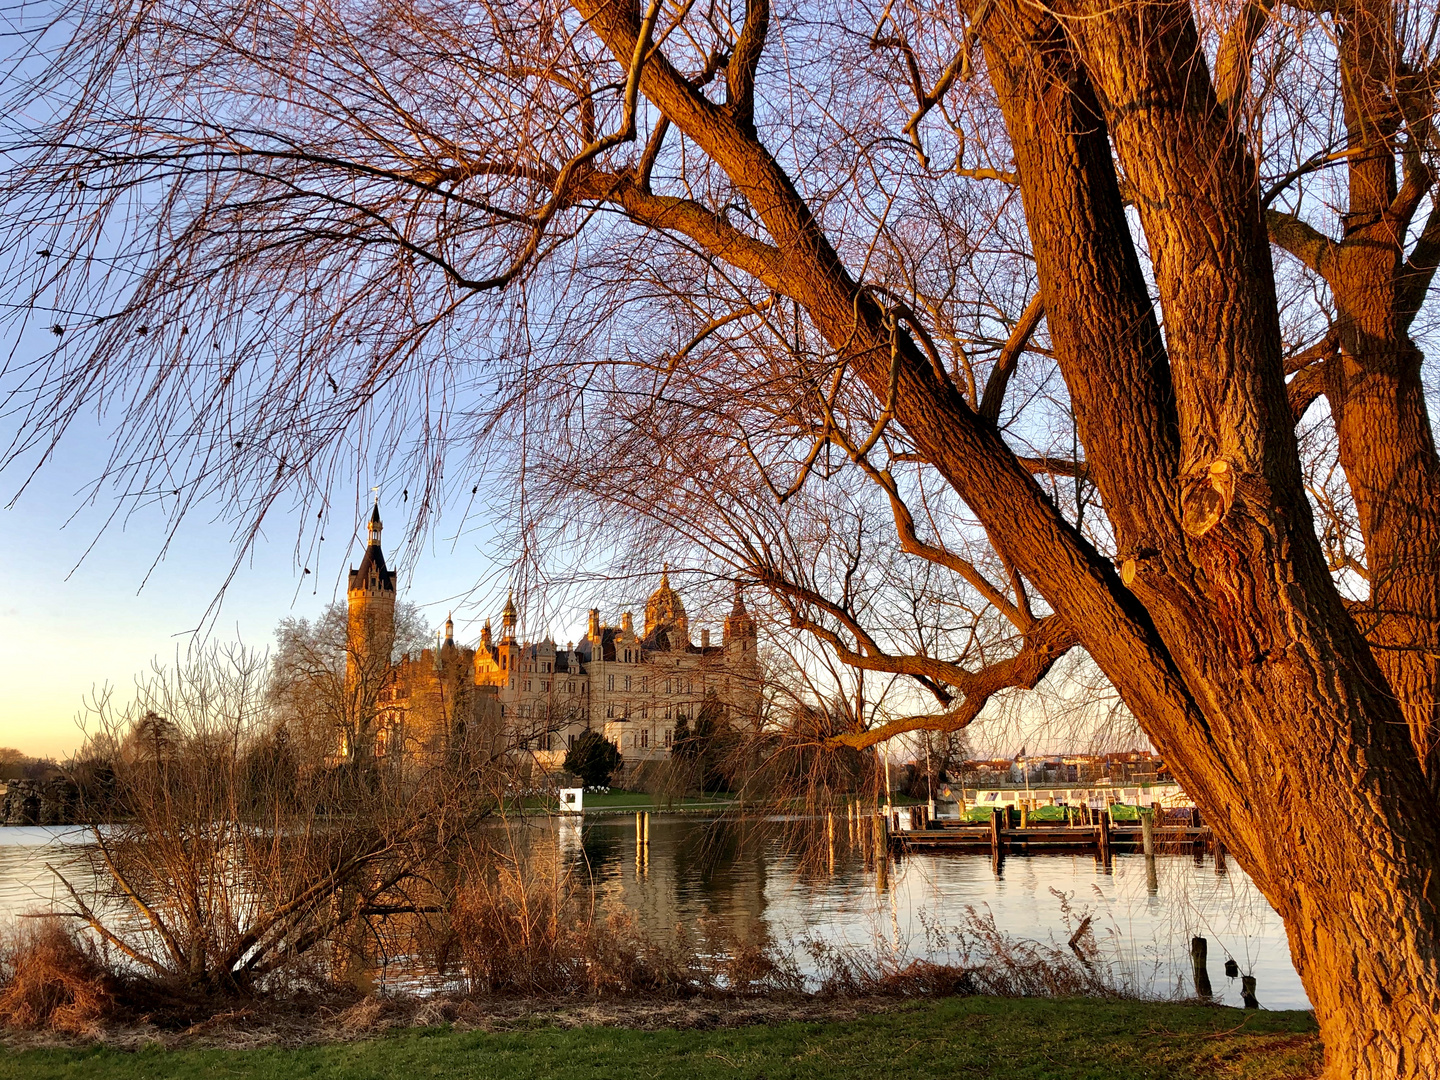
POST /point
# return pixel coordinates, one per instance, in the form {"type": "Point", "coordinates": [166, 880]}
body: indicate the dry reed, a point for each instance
{"type": "Point", "coordinates": [51, 979]}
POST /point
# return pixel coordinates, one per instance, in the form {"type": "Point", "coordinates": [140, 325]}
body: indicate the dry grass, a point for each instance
{"type": "Point", "coordinates": [53, 980]}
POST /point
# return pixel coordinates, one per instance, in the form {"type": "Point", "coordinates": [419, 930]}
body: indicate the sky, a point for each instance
{"type": "Point", "coordinates": [73, 622]}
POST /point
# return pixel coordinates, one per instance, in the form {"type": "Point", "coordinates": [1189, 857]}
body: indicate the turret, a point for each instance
{"type": "Point", "coordinates": [507, 619]}
{"type": "Point", "coordinates": [370, 631]}
{"type": "Point", "coordinates": [487, 639]}
{"type": "Point", "coordinates": [740, 635]}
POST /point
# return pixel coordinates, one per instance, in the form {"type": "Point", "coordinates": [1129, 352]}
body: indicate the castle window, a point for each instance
{"type": "Point", "coordinates": [627, 682]}
{"type": "Point", "coordinates": [569, 687]}
{"type": "Point", "coordinates": [610, 711]}
{"type": "Point", "coordinates": [571, 741]}
{"type": "Point", "coordinates": [669, 687]}
{"type": "Point", "coordinates": [527, 686]}
{"type": "Point", "coordinates": [644, 711]}
{"type": "Point", "coordinates": [644, 684]}
{"type": "Point", "coordinates": [668, 711]}
{"type": "Point", "coordinates": [545, 685]}
{"type": "Point", "coordinates": [669, 737]}
{"type": "Point", "coordinates": [609, 682]}
{"type": "Point", "coordinates": [644, 738]}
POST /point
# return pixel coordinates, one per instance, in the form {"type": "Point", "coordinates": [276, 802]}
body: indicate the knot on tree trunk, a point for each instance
{"type": "Point", "coordinates": [1206, 495]}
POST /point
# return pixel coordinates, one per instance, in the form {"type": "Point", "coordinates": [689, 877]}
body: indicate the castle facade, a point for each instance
{"type": "Point", "coordinates": [634, 687]}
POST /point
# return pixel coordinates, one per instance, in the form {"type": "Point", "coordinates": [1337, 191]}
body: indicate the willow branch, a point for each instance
{"type": "Point", "coordinates": [999, 380]}
{"type": "Point", "coordinates": [1049, 640]}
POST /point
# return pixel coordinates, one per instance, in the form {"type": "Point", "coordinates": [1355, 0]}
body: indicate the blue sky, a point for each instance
{"type": "Point", "coordinates": [72, 622]}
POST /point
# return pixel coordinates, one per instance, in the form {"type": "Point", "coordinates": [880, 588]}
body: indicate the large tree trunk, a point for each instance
{"type": "Point", "coordinates": [1337, 824]}
{"type": "Point", "coordinates": [1231, 642]}
{"type": "Point", "coordinates": [1374, 386]}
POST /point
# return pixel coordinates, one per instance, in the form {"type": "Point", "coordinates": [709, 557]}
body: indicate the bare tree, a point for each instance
{"type": "Point", "coordinates": [321, 688]}
{"type": "Point", "coordinates": [974, 336]}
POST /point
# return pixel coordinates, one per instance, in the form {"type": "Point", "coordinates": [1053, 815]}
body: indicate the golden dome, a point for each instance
{"type": "Point", "coordinates": [665, 611]}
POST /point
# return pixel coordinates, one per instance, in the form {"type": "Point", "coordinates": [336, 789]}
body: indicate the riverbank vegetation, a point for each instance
{"type": "Point", "coordinates": [997, 1039]}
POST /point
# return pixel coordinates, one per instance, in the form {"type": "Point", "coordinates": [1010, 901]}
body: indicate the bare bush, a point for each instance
{"type": "Point", "coordinates": [53, 979]}
{"type": "Point", "coordinates": [232, 863]}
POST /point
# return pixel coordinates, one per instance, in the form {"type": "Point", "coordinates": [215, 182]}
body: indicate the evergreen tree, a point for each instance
{"type": "Point", "coordinates": [594, 759]}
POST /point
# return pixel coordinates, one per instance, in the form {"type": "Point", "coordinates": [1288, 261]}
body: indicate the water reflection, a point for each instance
{"type": "Point", "coordinates": [753, 878]}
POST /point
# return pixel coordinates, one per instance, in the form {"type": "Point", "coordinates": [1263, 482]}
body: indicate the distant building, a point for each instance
{"type": "Point", "coordinates": [1128, 768]}
{"type": "Point", "coordinates": [633, 687]}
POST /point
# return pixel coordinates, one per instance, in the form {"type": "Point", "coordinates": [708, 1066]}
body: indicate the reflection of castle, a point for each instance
{"type": "Point", "coordinates": [633, 687]}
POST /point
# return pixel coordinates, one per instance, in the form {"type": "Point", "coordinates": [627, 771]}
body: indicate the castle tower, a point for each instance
{"type": "Point", "coordinates": [370, 632]}
{"type": "Point", "coordinates": [742, 661]}
{"type": "Point", "coordinates": [448, 650]}
{"type": "Point", "coordinates": [740, 635]}
{"type": "Point", "coordinates": [507, 619]}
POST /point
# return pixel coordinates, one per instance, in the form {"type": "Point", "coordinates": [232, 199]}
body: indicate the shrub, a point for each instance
{"type": "Point", "coordinates": [53, 980]}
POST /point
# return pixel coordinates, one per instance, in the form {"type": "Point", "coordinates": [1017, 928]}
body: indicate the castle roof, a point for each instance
{"type": "Point", "coordinates": [739, 623]}
{"type": "Point", "coordinates": [372, 566]}
{"type": "Point", "coordinates": [665, 612]}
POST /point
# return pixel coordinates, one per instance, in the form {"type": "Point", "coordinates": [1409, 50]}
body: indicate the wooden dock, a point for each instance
{"type": "Point", "coordinates": [1161, 833]}
{"type": "Point", "coordinates": [1050, 838]}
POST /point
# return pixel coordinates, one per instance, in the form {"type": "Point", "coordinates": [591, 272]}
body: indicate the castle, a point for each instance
{"type": "Point", "coordinates": [633, 687]}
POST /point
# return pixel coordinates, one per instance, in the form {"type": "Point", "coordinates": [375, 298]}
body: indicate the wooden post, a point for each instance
{"type": "Point", "coordinates": [1220, 867]}
{"type": "Point", "coordinates": [1198, 949]}
{"type": "Point", "coordinates": [1024, 816]}
{"type": "Point", "coordinates": [1147, 836]}
{"type": "Point", "coordinates": [830, 838]}
{"type": "Point", "coordinates": [882, 852]}
{"type": "Point", "coordinates": [1103, 836]}
{"type": "Point", "coordinates": [1247, 991]}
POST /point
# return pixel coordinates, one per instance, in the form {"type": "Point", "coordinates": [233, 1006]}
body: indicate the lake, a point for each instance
{"type": "Point", "coordinates": [757, 877]}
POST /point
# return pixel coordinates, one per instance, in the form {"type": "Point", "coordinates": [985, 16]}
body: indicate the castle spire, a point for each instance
{"type": "Point", "coordinates": [449, 629]}
{"type": "Point", "coordinates": [507, 618]}
{"type": "Point", "coordinates": [374, 527]}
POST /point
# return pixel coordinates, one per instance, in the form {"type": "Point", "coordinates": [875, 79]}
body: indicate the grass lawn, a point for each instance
{"type": "Point", "coordinates": [954, 1039]}
{"type": "Point", "coordinates": [620, 799]}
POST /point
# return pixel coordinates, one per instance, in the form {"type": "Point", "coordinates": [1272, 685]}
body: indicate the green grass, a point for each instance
{"type": "Point", "coordinates": [618, 799]}
{"type": "Point", "coordinates": [954, 1039]}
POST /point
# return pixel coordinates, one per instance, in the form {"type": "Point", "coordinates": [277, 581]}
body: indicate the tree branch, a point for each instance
{"type": "Point", "coordinates": [740, 72]}
{"type": "Point", "coordinates": [1307, 385]}
{"type": "Point", "coordinates": [1049, 640]}
{"type": "Point", "coordinates": [1418, 270]}
{"type": "Point", "coordinates": [1232, 59]}
{"type": "Point", "coordinates": [999, 379]}
{"type": "Point", "coordinates": [1303, 241]}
